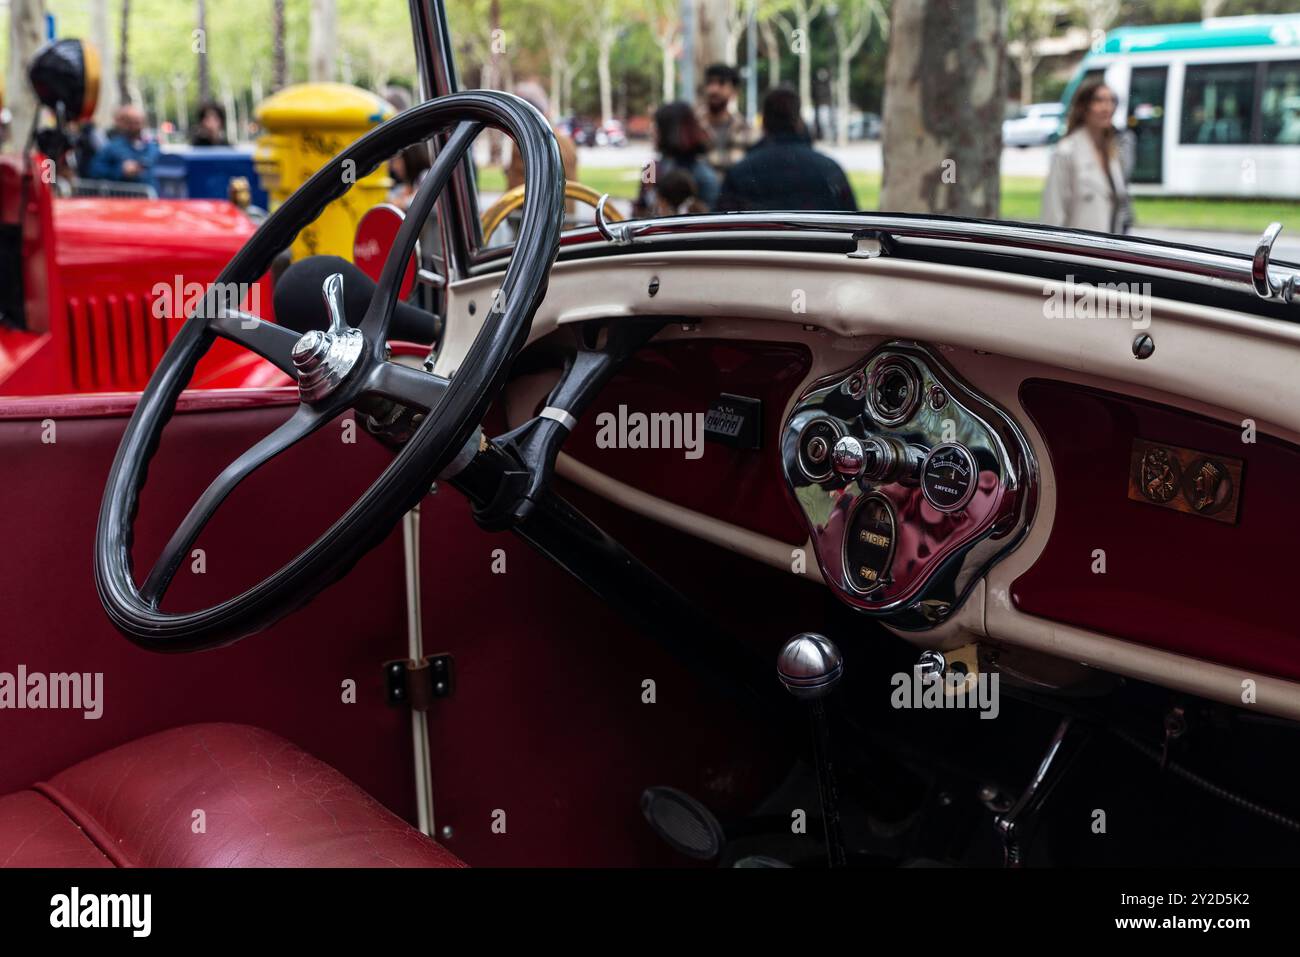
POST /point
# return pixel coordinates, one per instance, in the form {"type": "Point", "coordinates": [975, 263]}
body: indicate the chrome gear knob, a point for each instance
{"type": "Point", "coordinates": [810, 666]}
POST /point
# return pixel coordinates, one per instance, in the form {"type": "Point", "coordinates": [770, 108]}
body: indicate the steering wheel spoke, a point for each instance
{"type": "Point", "coordinates": [380, 314]}
{"type": "Point", "coordinates": [273, 343]}
{"type": "Point", "coordinates": [405, 385]}
{"type": "Point", "coordinates": [304, 421]}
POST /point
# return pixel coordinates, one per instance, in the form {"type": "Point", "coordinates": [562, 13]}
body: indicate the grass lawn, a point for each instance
{"type": "Point", "coordinates": [1021, 196]}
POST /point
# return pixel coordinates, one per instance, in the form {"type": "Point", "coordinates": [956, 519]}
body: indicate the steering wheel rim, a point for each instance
{"type": "Point", "coordinates": [454, 408]}
{"type": "Point", "coordinates": [512, 199]}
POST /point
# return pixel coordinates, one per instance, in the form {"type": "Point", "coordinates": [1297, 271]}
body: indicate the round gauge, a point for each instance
{"type": "Point", "coordinates": [869, 544]}
{"type": "Point", "coordinates": [893, 390]}
{"type": "Point", "coordinates": [949, 476]}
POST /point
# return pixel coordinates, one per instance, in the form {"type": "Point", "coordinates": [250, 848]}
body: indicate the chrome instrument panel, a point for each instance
{"type": "Point", "coordinates": [928, 485]}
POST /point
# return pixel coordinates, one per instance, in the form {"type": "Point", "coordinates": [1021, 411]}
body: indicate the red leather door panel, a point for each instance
{"type": "Point", "coordinates": [289, 680]}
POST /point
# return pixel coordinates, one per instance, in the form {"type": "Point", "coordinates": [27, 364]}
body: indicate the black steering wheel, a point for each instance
{"type": "Point", "coordinates": [335, 370]}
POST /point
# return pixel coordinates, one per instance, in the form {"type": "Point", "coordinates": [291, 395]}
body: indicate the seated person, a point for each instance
{"type": "Point", "coordinates": [782, 170]}
{"type": "Point", "coordinates": [129, 155]}
{"type": "Point", "coordinates": [676, 195]}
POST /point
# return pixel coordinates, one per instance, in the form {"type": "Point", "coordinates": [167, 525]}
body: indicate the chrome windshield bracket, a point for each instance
{"type": "Point", "coordinates": [620, 234]}
{"type": "Point", "coordinates": [1266, 287]}
{"type": "Point", "coordinates": [872, 243]}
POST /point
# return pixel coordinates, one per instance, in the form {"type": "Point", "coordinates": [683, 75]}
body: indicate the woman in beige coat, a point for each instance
{"type": "Point", "coordinates": [1085, 184]}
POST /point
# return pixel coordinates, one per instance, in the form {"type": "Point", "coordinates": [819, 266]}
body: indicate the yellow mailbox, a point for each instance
{"type": "Point", "coordinates": [304, 127]}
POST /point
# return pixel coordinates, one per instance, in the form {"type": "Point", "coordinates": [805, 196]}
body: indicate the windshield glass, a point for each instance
{"type": "Point", "coordinates": [1123, 116]}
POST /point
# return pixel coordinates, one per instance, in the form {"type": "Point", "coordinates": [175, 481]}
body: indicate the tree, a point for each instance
{"type": "Point", "coordinates": [101, 37]}
{"type": "Point", "coordinates": [1028, 23]}
{"type": "Point", "coordinates": [606, 27]}
{"type": "Point", "coordinates": [771, 49]}
{"type": "Point", "coordinates": [26, 32]}
{"type": "Point", "coordinates": [279, 65]}
{"type": "Point", "coordinates": [945, 80]}
{"type": "Point", "coordinates": [1097, 15]}
{"type": "Point", "coordinates": [851, 22]}
{"type": "Point", "coordinates": [124, 55]}
{"type": "Point", "coordinates": [201, 42]}
{"type": "Point", "coordinates": [323, 41]}
{"type": "Point", "coordinates": [666, 25]}
{"type": "Point", "coordinates": [795, 19]}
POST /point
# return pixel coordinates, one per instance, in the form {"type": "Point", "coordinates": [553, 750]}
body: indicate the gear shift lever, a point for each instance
{"type": "Point", "coordinates": [810, 666]}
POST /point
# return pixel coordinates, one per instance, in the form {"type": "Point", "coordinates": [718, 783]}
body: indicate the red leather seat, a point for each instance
{"type": "Point", "coordinates": [264, 803]}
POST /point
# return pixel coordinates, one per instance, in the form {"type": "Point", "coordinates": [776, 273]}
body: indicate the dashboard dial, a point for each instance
{"type": "Point", "coordinates": [869, 544]}
{"type": "Point", "coordinates": [949, 476]}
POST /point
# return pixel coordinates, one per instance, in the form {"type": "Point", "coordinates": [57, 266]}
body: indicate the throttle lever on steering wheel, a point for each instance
{"type": "Point", "coordinates": [536, 444]}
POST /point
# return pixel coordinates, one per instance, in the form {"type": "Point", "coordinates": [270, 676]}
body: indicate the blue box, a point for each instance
{"type": "Point", "coordinates": [204, 172]}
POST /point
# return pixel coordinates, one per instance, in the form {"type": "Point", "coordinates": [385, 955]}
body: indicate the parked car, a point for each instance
{"type": "Point", "coordinates": [864, 126]}
{"type": "Point", "coordinates": [1035, 125]}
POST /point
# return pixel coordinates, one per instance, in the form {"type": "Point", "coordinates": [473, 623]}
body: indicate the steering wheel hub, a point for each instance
{"type": "Point", "coordinates": [324, 359]}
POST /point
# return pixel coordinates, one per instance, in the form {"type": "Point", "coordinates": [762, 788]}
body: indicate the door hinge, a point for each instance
{"type": "Point", "coordinates": [418, 684]}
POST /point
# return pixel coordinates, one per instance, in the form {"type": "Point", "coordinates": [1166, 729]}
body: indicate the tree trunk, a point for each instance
{"type": "Point", "coordinates": [557, 83]}
{"type": "Point", "coordinates": [124, 55]}
{"type": "Point", "coordinates": [669, 71]}
{"type": "Point", "coordinates": [945, 79]}
{"type": "Point", "coordinates": [771, 50]}
{"type": "Point", "coordinates": [606, 46]}
{"type": "Point", "coordinates": [201, 43]}
{"type": "Point", "coordinates": [26, 33]}
{"type": "Point", "coordinates": [1027, 62]}
{"type": "Point", "coordinates": [323, 41]}
{"type": "Point", "coordinates": [842, 99]}
{"type": "Point", "coordinates": [804, 21]}
{"type": "Point", "coordinates": [711, 35]}
{"type": "Point", "coordinates": [279, 66]}
{"type": "Point", "coordinates": [101, 37]}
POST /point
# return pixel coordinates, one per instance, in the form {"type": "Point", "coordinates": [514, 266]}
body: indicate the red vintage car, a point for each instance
{"type": "Point", "coordinates": [749, 539]}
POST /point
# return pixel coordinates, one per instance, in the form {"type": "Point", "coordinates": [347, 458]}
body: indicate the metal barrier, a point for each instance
{"type": "Point", "coordinates": [113, 188]}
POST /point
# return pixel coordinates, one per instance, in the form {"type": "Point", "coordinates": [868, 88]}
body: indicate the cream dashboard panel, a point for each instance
{"type": "Point", "coordinates": [993, 331]}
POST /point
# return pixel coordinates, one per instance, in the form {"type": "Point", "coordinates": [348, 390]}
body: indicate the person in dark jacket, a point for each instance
{"type": "Point", "coordinates": [782, 170]}
{"type": "Point", "coordinates": [211, 128]}
{"type": "Point", "coordinates": [129, 155]}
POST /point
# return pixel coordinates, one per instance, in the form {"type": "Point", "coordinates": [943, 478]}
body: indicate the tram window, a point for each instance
{"type": "Point", "coordinates": [1279, 106]}
{"type": "Point", "coordinates": [1218, 103]}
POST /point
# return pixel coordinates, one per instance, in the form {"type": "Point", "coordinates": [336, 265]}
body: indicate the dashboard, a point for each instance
{"type": "Point", "coordinates": [910, 482]}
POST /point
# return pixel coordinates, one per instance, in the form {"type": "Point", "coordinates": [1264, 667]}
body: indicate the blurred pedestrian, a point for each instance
{"type": "Point", "coordinates": [407, 170]}
{"type": "Point", "coordinates": [783, 171]}
{"type": "Point", "coordinates": [681, 142]}
{"type": "Point", "coordinates": [211, 127]}
{"type": "Point", "coordinates": [729, 134]}
{"type": "Point", "coordinates": [130, 153]}
{"type": "Point", "coordinates": [1085, 186]}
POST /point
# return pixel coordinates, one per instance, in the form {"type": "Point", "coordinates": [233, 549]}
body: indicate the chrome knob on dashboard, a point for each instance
{"type": "Point", "coordinates": [809, 665]}
{"type": "Point", "coordinates": [848, 457]}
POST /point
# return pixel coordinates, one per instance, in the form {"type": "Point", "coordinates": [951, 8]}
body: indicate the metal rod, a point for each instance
{"type": "Point", "coordinates": [415, 651]}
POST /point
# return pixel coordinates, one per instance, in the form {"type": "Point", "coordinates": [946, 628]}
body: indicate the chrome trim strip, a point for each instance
{"type": "Point", "coordinates": [1229, 271]}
